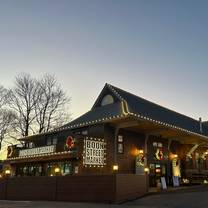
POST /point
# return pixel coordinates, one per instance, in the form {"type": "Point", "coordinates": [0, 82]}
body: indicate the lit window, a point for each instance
{"type": "Point", "coordinates": [154, 144]}
{"type": "Point", "coordinates": [159, 145]}
{"type": "Point", "coordinates": [120, 138]}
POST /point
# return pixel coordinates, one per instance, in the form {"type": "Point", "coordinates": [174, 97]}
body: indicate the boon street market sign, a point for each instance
{"type": "Point", "coordinates": [94, 152]}
{"type": "Point", "coordinates": [37, 151]}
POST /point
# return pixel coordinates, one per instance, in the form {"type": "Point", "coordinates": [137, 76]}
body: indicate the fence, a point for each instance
{"type": "Point", "coordinates": [87, 188]}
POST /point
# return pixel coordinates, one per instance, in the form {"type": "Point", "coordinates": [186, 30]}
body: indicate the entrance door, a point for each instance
{"type": "Point", "coordinates": [157, 171]}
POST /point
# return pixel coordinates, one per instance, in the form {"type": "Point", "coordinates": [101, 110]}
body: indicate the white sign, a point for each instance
{"type": "Point", "coordinates": [94, 152]}
{"type": "Point", "coordinates": [176, 181]}
{"type": "Point", "coordinates": [37, 151]}
{"type": "Point", "coordinates": [163, 182]}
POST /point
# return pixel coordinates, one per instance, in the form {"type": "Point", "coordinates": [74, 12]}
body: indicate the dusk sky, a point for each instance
{"type": "Point", "coordinates": [157, 49]}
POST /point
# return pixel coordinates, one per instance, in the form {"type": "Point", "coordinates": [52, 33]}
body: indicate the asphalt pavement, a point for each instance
{"type": "Point", "coordinates": [196, 197]}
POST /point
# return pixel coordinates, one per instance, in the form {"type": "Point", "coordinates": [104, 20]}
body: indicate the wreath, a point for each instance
{"type": "Point", "coordinates": [70, 142]}
{"type": "Point", "coordinates": [159, 154]}
{"type": "Point", "coordinates": [9, 151]}
{"type": "Point", "coordinates": [140, 160]}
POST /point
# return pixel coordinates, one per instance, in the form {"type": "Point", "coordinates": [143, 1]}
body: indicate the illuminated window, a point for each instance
{"type": "Point", "coordinates": [159, 144]}
{"type": "Point", "coordinates": [120, 145]}
{"type": "Point", "coordinates": [154, 144]}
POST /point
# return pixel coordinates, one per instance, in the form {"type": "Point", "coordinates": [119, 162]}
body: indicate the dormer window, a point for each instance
{"type": "Point", "coordinates": [108, 99]}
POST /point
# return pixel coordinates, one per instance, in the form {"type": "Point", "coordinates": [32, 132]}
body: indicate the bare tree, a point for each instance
{"type": "Point", "coordinates": [50, 108]}
{"type": "Point", "coordinates": [3, 96]}
{"type": "Point", "coordinates": [7, 121]}
{"type": "Point", "coordinates": [7, 117]}
{"type": "Point", "coordinates": [38, 104]}
{"type": "Point", "coordinates": [23, 99]}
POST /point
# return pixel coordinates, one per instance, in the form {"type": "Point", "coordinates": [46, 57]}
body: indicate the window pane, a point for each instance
{"type": "Point", "coordinates": [49, 141]}
{"type": "Point", "coordinates": [55, 140]}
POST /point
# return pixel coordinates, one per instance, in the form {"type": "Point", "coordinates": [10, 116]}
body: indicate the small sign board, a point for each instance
{"type": "Point", "coordinates": [163, 183]}
{"type": "Point", "coordinates": [176, 181]}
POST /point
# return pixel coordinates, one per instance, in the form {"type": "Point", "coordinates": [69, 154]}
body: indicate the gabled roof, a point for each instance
{"type": "Point", "coordinates": [99, 114]}
{"type": "Point", "coordinates": [128, 104]}
{"type": "Point", "coordinates": [137, 106]}
{"type": "Point", "coordinates": [145, 108]}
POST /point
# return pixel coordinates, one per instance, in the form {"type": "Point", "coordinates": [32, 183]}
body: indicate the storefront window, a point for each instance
{"type": "Point", "coordinates": [49, 169]}
{"type": "Point", "coordinates": [67, 169]}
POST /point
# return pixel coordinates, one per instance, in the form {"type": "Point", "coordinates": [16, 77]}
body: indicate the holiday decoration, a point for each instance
{"type": "Point", "coordinates": [70, 142]}
{"type": "Point", "coordinates": [9, 151]}
{"type": "Point", "coordinates": [140, 160]}
{"type": "Point", "coordinates": [159, 154]}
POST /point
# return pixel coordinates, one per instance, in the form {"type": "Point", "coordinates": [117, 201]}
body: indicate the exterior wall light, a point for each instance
{"type": "Point", "coordinates": [115, 167]}
{"type": "Point", "coordinates": [7, 171]}
{"type": "Point", "coordinates": [141, 151]}
{"type": "Point", "coordinates": [57, 170]}
{"type": "Point", "coordinates": [146, 170]}
{"type": "Point", "coordinates": [175, 156]}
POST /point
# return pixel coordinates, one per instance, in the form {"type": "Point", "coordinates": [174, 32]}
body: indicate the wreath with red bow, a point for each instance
{"type": "Point", "coordinates": [159, 154]}
{"type": "Point", "coordinates": [70, 142]}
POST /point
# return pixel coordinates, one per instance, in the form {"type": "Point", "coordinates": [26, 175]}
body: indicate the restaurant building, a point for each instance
{"type": "Point", "coordinates": [114, 152]}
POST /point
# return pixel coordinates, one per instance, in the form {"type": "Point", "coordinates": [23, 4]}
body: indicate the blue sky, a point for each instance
{"type": "Point", "coordinates": [157, 49]}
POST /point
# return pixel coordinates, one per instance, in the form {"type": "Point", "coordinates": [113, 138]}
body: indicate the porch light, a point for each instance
{"type": "Point", "coordinates": [175, 156]}
{"type": "Point", "coordinates": [115, 167]}
{"type": "Point", "coordinates": [57, 170]}
{"type": "Point", "coordinates": [7, 171]}
{"type": "Point", "coordinates": [141, 151]}
{"type": "Point", "coordinates": [205, 182]}
{"type": "Point", "coordinates": [146, 170]}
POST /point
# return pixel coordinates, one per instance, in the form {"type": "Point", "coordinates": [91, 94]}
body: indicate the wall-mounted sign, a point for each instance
{"type": "Point", "coordinates": [163, 183]}
{"type": "Point", "coordinates": [94, 152]}
{"type": "Point", "coordinates": [37, 151]}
